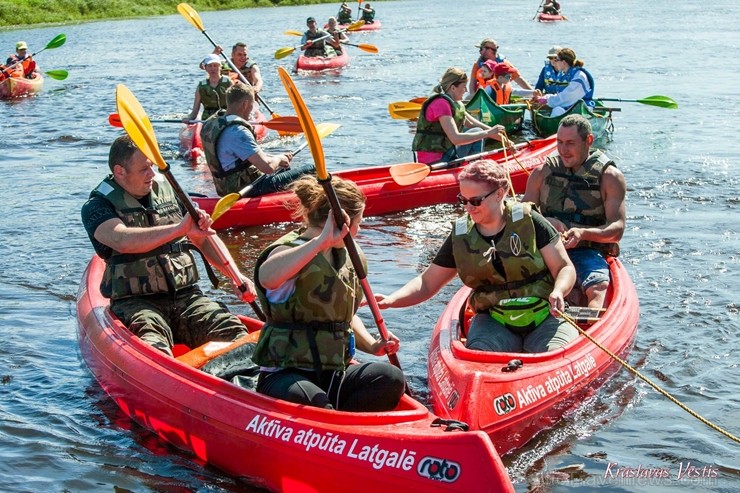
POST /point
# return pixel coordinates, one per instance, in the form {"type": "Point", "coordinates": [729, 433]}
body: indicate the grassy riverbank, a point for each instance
{"type": "Point", "coordinates": [18, 13]}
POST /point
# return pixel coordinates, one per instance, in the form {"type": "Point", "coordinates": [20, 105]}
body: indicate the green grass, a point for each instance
{"type": "Point", "coordinates": [18, 13]}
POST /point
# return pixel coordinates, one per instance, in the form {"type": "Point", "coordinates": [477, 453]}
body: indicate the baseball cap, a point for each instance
{"type": "Point", "coordinates": [21, 45]}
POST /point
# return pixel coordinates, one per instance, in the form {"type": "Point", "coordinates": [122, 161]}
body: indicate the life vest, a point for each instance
{"type": "Point", "coordinates": [245, 70]}
{"type": "Point", "coordinates": [525, 271]}
{"type": "Point", "coordinates": [344, 16]}
{"type": "Point", "coordinates": [569, 77]}
{"type": "Point", "coordinates": [430, 136]}
{"type": "Point", "coordinates": [319, 48]}
{"type": "Point", "coordinates": [575, 198]}
{"type": "Point", "coordinates": [368, 16]}
{"type": "Point", "coordinates": [166, 269]}
{"type": "Point", "coordinates": [311, 328]}
{"type": "Point", "coordinates": [243, 173]}
{"type": "Point", "coordinates": [25, 68]}
{"type": "Point", "coordinates": [213, 98]}
{"type": "Point", "coordinates": [501, 95]}
{"type": "Point", "coordinates": [553, 80]}
{"type": "Point", "coordinates": [479, 63]}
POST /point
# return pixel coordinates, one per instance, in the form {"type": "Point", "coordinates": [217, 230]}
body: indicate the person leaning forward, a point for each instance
{"type": "Point", "coordinates": [233, 155]}
{"type": "Point", "coordinates": [137, 225]}
{"type": "Point", "coordinates": [310, 293]}
{"type": "Point", "coordinates": [511, 258]}
{"type": "Point", "coordinates": [582, 193]}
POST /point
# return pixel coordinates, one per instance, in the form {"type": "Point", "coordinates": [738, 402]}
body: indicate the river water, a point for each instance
{"type": "Point", "coordinates": [59, 431]}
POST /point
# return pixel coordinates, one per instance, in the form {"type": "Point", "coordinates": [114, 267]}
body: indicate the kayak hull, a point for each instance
{"type": "Point", "coordinates": [546, 125]}
{"type": "Point", "coordinates": [319, 63]}
{"type": "Point", "coordinates": [270, 443]}
{"type": "Point", "coordinates": [485, 109]}
{"type": "Point", "coordinates": [542, 17]}
{"type": "Point", "coordinates": [16, 87]}
{"type": "Point", "coordinates": [365, 27]}
{"type": "Point", "coordinates": [513, 406]}
{"type": "Point", "coordinates": [191, 144]}
{"type": "Point", "coordinates": [384, 196]}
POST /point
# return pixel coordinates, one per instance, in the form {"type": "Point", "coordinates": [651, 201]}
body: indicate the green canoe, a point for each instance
{"type": "Point", "coordinates": [483, 108]}
{"type": "Point", "coordinates": [546, 125]}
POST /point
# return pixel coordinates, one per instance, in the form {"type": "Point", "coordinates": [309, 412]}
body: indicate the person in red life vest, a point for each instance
{"type": "Point", "coordinates": [500, 89]}
{"type": "Point", "coordinates": [22, 58]}
{"type": "Point", "coordinates": [488, 49]}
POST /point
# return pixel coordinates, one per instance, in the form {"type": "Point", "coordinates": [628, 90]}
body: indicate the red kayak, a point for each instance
{"type": "Point", "coordinates": [191, 145]}
{"type": "Point", "coordinates": [384, 196]}
{"type": "Point", "coordinates": [270, 443]}
{"type": "Point", "coordinates": [365, 27]}
{"type": "Point", "coordinates": [514, 396]}
{"type": "Point", "coordinates": [542, 17]}
{"type": "Point", "coordinates": [16, 87]}
{"type": "Point", "coordinates": [319, 63]}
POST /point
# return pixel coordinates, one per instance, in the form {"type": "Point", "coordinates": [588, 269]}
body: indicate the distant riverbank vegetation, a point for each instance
{"type": "Point", "coordinates": [18, 13]}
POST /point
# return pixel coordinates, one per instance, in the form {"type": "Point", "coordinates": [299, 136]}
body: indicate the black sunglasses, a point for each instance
{"type": "Point", "coordinates": [474, 201]}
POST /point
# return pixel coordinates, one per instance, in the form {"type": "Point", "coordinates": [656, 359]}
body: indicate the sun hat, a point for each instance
{"type": "Point", "coordinates": [490, 64]}
{"type": "Point", "coordinates": [209, 59]}
{"type": "Point", "coordinates": [21, 45]}
{"type": "Point", "coordinates": [553, 51]}
{"type": "Point", "coordinates": [503, 69]}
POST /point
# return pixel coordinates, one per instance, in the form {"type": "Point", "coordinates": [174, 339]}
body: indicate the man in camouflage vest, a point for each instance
{"type": "Point", "coordinates": [137, 225]}
{"type": "Point", "coordinates": [582, 194]}
{"type": "Point", "coordinates": [233, 155]}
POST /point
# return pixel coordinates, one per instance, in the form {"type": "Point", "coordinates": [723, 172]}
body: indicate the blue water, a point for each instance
{"type": "Point", "coordinates": [59, 431]}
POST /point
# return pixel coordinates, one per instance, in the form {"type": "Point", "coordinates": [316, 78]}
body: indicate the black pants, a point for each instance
{"type": "Point", "coordinates": [364, 387]}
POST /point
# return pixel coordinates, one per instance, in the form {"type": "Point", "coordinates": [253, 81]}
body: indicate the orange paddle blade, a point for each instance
{"type": "Point", "coordinates": [409, 173]}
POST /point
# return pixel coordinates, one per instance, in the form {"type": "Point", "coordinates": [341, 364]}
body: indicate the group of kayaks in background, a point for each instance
{"type": "Point", "coordinates": [485, 403]}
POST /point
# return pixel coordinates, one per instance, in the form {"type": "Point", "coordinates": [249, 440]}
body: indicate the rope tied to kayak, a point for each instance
{"type": "Point", "coordinates": [645, 379]}
{"type": "Point", "coordinates": [508, 145]}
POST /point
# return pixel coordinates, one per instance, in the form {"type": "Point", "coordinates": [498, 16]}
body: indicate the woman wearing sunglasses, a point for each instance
{"type": "Point", "coordinates": [441, 133]}
{"type": "Point", "coordinates": [511, 257]}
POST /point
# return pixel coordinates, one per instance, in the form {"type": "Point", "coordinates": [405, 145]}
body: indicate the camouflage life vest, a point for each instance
{"type": "Point", "coordinates": [163, 270]}
{"type": "Point", "coordinates": [368, 15]}
{"type": "Point", "coordinates": [243, 173]}
{"type": "Point", "coordinates": [429, 135]}
{"type": "Point", "coordinates": [311, 328]}
{"type": "Point", "coordinates": [344, 16]}
{"type": "Point", "coordinates": [318, 48]}
{"type": "Point", "coordinates": [213, 98]}
{"type": "Point", "coordinates": [575, 198]}
{"type": "Point", "coordinates": [525, 272]}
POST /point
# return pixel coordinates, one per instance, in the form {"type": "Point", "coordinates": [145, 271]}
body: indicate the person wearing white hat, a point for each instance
{"type": "Point", "coordinates": [211, 92]}
{"type": "Point", "coordinates": [551, 80]}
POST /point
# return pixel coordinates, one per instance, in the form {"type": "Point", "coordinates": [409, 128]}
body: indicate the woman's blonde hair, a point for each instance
{"type": "Point", "coordinates": [313, 205]}
{"type": "Point", "coordinates": [452, 76]}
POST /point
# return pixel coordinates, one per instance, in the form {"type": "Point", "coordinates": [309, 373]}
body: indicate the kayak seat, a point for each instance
{"type": "Point", "coordinates": [200, 356]}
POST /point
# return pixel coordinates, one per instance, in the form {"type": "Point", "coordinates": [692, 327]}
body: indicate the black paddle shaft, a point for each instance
{"type": "Point", "coordinates": [354, 256]}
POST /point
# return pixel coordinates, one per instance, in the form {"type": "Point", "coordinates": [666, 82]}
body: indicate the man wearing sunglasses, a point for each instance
{"type": "Point", "coordinates": [582, 193]}
{"type": "Point", "coordinates": [488, 50]}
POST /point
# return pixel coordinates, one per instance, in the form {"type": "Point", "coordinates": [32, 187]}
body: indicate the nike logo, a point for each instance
{"type": "Point", "coordinates": [512, 318]}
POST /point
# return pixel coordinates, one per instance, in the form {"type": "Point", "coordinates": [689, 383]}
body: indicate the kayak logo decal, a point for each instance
{"type": "Point", "coordinates": [504, 404]}
{"type": "Point", "coordinates": [438, 469]}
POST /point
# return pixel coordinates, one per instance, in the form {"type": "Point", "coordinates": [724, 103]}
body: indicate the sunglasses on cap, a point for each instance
{"type": "Point", "coordinates": [474, 201]}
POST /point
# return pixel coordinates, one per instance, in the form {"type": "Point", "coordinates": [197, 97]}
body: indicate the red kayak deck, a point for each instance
{"type": "Point", "coordinates": [513, 406]}
{"type": "Point", "coordinates": [384, 196]}
{"type": "Point", "coordinates": [271, 443]}
{"type": "Point", "coordinates": [365, 27]}
{"type": "Point", "coordinates": [319, 63]}
{"type": "Point", "coordinates": [542, 17]}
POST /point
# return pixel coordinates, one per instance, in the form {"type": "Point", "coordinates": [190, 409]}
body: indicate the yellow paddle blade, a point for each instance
{"type": "Point", "coordinates": [325, 129]}
{"type": "Point", "coordinates": [283, 52]}
{"type": "Point", "coordinates": [404, 110]}
{"type": "Point", "coordinates": [355, 25]}
{"type": "Point", "coordinates": [191, 15]}
{"type": "Point", "coordinates": [309, 129]}
{"type": "Point", "coordinates": [291, 32]}
{"type": "Point", "coordinates": [137, 125]}
{"type": "Point", "coordinates": [224, 204]}
{"type": "Point", "coordinates": [409, 173]}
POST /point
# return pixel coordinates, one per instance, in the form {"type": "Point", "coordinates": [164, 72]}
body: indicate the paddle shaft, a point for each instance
{"type": "Point", "coordinates": [354, 256]}
{"type": "Point", "coordinates": [49, 45]}
{"type": "Point", "coordinates": [472, 157]}
{"type": "Point", "coordinates": [244, 191]}
{"type": "Point", "coordinates": [193, 211]}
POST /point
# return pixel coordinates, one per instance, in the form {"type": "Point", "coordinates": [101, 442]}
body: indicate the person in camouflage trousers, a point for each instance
{"type": "Point", "coordinates": [137, 225]}
{"type": "Point", "coordinates": [310, 293]}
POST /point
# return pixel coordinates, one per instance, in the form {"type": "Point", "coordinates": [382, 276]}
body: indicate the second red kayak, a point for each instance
{"type": "Point", "coordinates": [384, 196]}
{"type": "Point", "coordinates": [319, 63]}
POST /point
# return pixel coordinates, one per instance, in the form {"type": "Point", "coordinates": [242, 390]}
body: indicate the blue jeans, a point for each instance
{"type": "Point", "coordinates": [279, 180]}
{"type": "Point", "coordinates": [591, 268]}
